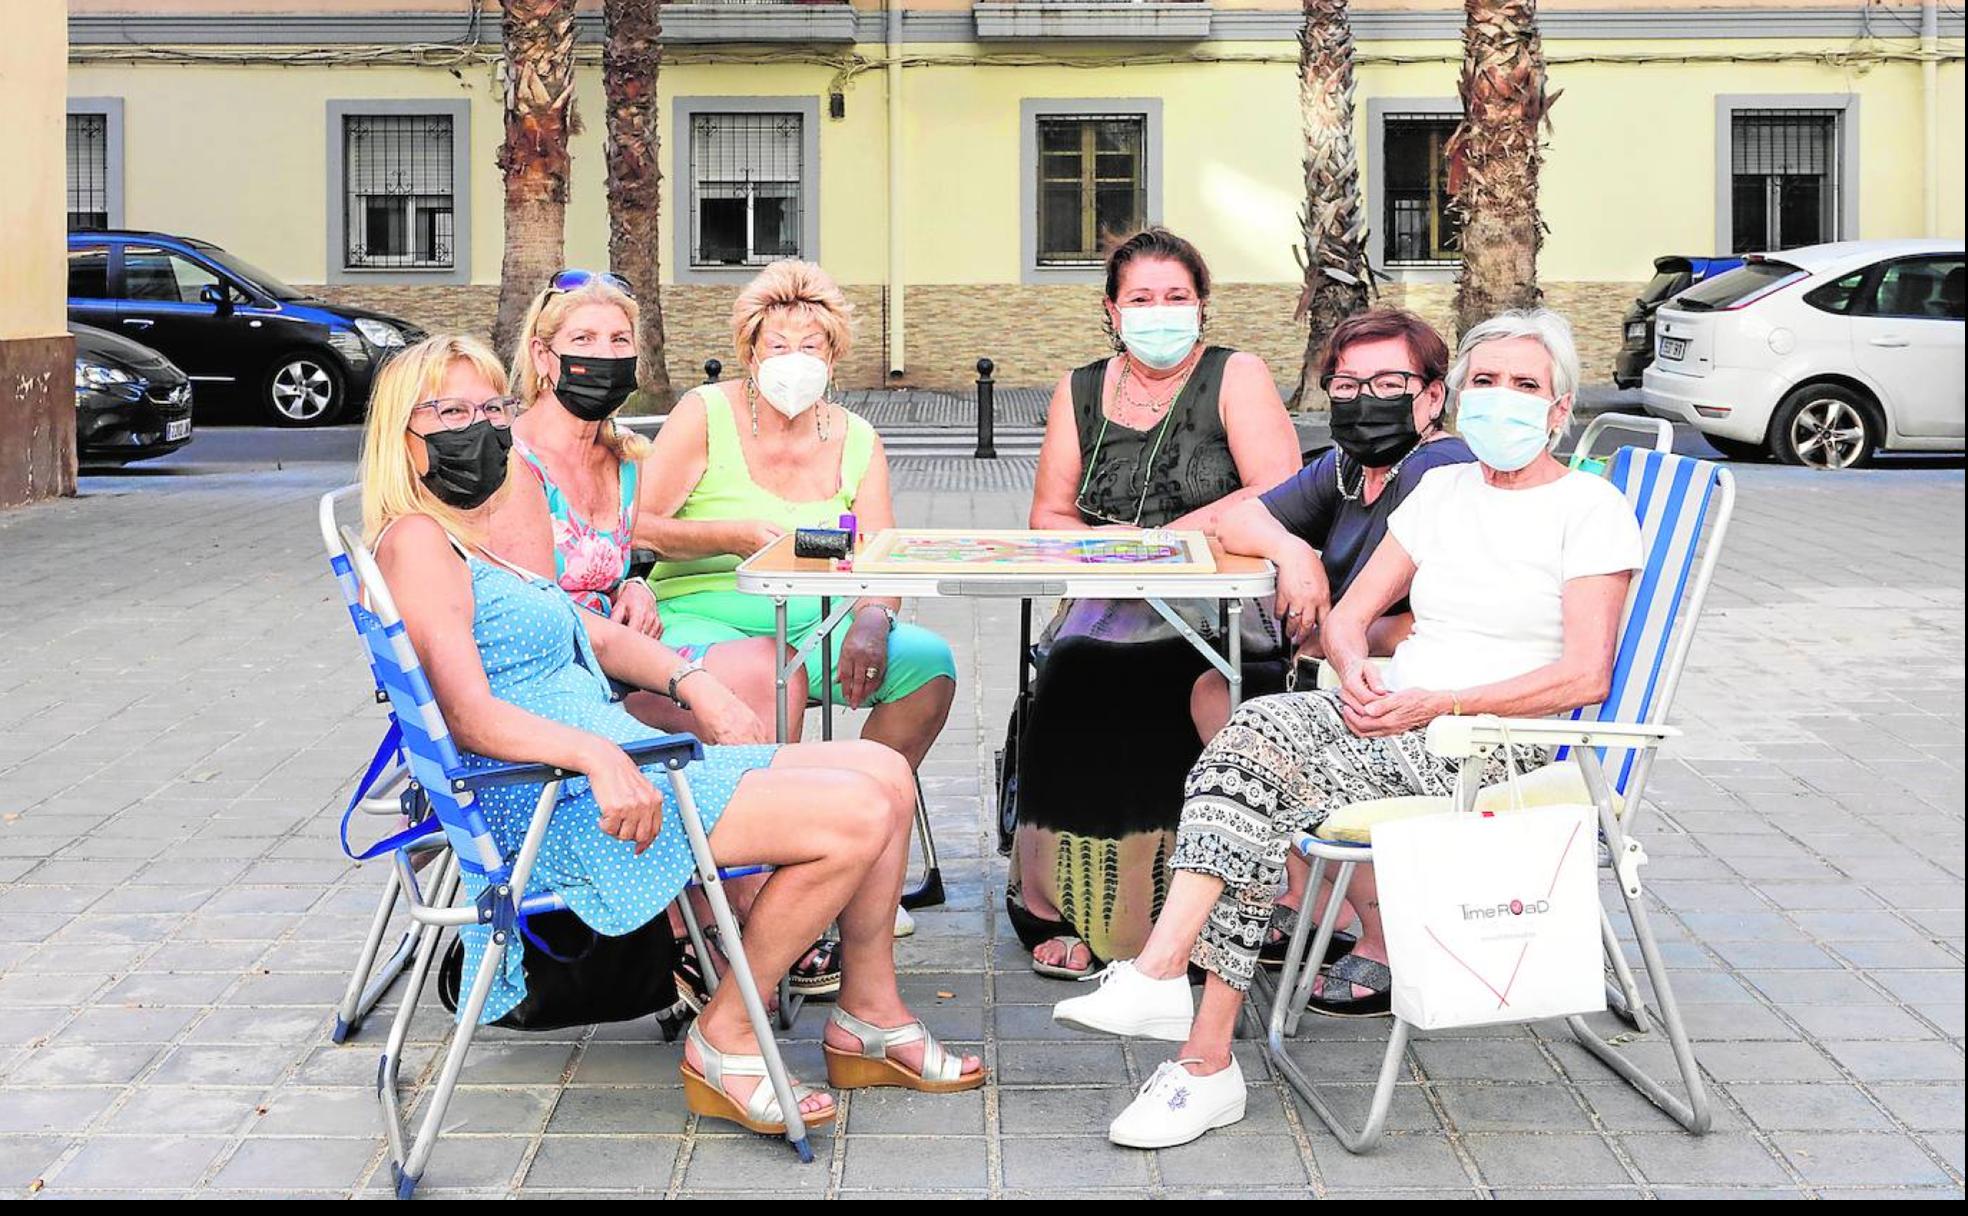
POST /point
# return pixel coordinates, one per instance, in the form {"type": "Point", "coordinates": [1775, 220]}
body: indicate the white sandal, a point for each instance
{"type": "Point", "coordinates": [941, 1072]}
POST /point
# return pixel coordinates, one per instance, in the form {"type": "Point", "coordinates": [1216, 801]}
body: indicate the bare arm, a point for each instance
{"type": "Point", "coordinates": [1058, 481]}
{"type": "Point", "coordinates": [1304, 594]}
{"type": "Point", "coordinates": [671, 469]}
{"type": "Point", "coordinates": [1262, 440]}
{"type": "Point", "coordinates": [635, 658]}
{"type": "Point", "coordinates": [1389, 575]}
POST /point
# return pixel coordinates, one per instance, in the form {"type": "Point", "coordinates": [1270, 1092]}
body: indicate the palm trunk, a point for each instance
{"type": "Point", "coordinates": [629, 62]}
{"type": "Point", "coordinates": [1494, 158]}
{"type": "Point", "coordinates": [539, 67]}
{"type": "Point", "coordinates": [1338, 280]}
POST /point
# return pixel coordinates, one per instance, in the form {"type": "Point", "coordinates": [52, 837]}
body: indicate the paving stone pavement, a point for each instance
{"type": "Point", "coordinates": [182, 710]}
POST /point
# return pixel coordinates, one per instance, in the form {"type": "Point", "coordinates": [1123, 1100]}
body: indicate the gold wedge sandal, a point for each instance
{"type": "Point", "coordinates": [942, 1073]}
{"type": "Point", "coordinates": [705, 1094]}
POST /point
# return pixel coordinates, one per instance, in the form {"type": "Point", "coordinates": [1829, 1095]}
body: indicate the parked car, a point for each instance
{"type": "Point", "coordinates": [1672, 275]}
{"type": "Point", "coordinates": [1819, 356]}
{"type": "Point", "coordinates": [231, 325]}
{"type": "Point", "coordinates": [131, 403]}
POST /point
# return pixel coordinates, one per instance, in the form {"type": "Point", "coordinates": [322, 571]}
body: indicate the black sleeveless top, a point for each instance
{"type": "Point", "coordinates": [1192, 469]}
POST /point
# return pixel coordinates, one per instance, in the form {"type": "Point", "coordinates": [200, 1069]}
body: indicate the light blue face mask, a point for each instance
{"type": "Point", "coordinates": [1161, 335]}
{"type": "Point", "coordinates": [1503, 427]}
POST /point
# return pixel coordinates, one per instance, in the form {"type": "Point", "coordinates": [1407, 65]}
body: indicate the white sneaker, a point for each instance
{"type": "Point", "coordinates": [1176, 1106]}
{"type": "Point", "coordinates": [905, 924]}
{"type": "Point", "coordinates": [1129, 1003]}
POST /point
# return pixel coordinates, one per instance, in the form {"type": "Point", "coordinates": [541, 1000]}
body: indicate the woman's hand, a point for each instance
{"type": "Point", "coordinates": [721, 717]}
{"type": "Point", "coordinates": [635, 607]}
{"type": "Point", "coordinates": [631, 809]}
{"type": "Point", "coordinates": [755, 534]}
{"type": "Point", "coordinates": [864, 657]}
{"type": "Point", "coordinates": [1360, 686]}
{"type": "Point", "coordinates": [1395, 713]}
{"type": "Point", "coordinates": [1304, 596]}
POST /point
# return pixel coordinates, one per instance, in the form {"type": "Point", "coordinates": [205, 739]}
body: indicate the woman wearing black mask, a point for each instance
{"type": "Point", "coordinates": [1383, 373]}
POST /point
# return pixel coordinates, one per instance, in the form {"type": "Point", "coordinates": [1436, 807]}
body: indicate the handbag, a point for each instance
{"type": "Point", "coordinates": [595, 978]}
{"type": "Point", "coordinates": [1492, 917]}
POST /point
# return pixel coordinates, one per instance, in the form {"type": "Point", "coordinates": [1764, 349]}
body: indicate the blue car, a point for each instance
{"type": "Point", "coordinates": [234, 329]}
{"type": "Point", "coordinates": [1673, 275]}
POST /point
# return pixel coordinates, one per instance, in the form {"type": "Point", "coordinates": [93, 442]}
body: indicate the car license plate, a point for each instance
{"type": "Point", "coordinates": [177, 429]}
{"type": "Point", "coordinates": [1674, 348]}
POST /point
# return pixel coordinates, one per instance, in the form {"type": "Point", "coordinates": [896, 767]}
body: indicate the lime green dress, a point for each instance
{"type": "Point", "coordinates": [699, 599]}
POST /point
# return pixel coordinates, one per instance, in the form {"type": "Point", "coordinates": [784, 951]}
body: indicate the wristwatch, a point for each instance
{"type": "Point", "coordinates": [682, 673]}
{"type": "Point", "coordinates": [885, 611]}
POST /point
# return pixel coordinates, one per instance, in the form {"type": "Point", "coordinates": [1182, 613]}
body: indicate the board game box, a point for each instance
{"type": "Point", "coordinates": [1018, 551]}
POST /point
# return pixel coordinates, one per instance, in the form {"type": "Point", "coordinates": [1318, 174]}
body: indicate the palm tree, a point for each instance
{"type": "Point", "coordinates": [1338, 280]}
{"type": "Point", "coordinates": [1494, 158]}
{"type": "Point", "coordinates": [629, 61]}
{"type": "Point", "coordinates": [539, 67]}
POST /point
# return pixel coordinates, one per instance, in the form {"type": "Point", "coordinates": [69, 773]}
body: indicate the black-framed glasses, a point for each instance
{"type": "Point", "coordinates": [457, 413]}
{"type": "Point", "coordinates": [1381, 384]}
{"type": "Point", "coordinates": [574, 280]}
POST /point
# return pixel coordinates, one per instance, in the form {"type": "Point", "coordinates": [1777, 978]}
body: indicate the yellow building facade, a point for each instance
{"type": "Point", "coordinates": [37, 357]}
{"type": "Point", "coordinates": [1681, 130]}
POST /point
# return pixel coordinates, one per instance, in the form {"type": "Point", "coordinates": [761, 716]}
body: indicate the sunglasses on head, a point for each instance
{"type": "Point", "coordinates": [574, 280]}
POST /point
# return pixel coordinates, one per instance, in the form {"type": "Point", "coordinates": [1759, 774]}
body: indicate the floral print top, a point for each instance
{"type": "Point", "coordinates": [589, 562]}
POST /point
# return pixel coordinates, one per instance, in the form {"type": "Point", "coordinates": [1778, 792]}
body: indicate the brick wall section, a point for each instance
{"type": "Point", "coordinates": [1033, 332]}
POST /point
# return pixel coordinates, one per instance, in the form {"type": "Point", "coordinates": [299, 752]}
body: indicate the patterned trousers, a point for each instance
{"type": "Point", "coordinates": [1279, 767]}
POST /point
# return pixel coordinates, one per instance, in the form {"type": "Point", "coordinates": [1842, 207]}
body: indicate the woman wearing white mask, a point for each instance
{"type": "Point", "coordinates": [1166, 433]}
{"type": "Point", "coordinates": [740, 464]}
{"type": "Point", "coordinates": [1517, 571]}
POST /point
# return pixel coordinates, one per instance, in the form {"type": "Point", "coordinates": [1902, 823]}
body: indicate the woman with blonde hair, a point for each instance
{"type": "Point", "coordinates": [573, 368]}
{"type": "Point", "coordinates": [522, 675]}
{"type": "Point", "coordinates": [741, 463]}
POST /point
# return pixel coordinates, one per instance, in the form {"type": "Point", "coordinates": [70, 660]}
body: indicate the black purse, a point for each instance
{"type": "Point", "coordinates": [595, 979]}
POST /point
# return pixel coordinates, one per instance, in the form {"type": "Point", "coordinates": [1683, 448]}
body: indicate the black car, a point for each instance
{"type": "Point", "coordinates": [230, 325]}
{"type": "Point", "coordinates": [1672, 276]}
{"type": "Point", "coordinates": [131, 403]}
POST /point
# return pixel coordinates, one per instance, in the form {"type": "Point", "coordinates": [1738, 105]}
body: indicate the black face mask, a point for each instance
{"type": "Point", "coordinates": [467, 466]}
{"type": "Point", "coordinates": [593, 388]}
{"type": "Point", "coordinates": [1375, 431]}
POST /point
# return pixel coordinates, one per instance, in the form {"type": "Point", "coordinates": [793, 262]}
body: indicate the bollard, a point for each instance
{"type": "Point", "coordinates": [987, 448]}
{"type": "Point", "coordinates": [712, 370]}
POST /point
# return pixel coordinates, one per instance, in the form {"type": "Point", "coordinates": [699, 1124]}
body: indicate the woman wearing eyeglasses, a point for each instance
{"type": "Point", "coordinates": [522, 675]}
{"type": "Point", "coordinates": [1168, 432]}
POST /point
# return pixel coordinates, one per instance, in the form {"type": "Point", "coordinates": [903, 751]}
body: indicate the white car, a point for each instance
{"type": "Point", "coordinates": [1819, 356]}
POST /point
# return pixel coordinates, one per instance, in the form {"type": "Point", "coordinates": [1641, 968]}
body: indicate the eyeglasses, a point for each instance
{"type": "Point", "coordinates": [574, 280]}
{"type": "Point", "coordinates": [1381, 384]}
{"type": "Point", "coordinates": [457, 413]}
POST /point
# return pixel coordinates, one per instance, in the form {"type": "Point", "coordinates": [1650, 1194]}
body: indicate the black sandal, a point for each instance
{"type": "Point", "coordinates": [1271, 956]}
{"type": "Point", "coordinates": [818, 972]}
{"type": "Point", "coordinates": [1349, 971]}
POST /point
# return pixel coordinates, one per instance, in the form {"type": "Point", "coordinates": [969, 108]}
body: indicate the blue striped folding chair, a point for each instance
{"type": "Point", "coordinates": [384, 789]}
{"type": "Point", "coordinates": [496, 883]}
{"type": "Point", "coordinates": [1605, 754]}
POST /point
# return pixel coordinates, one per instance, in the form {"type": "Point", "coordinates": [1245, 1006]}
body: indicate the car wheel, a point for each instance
{"type": "Point", "coordinates": [304, 388]}
{"type": "Point", "coordinates": [1738, 449]}
{"type": "Point", "coordinates": [1824, 426]}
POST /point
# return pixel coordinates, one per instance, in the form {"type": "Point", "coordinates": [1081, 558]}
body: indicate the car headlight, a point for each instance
{"type": "Point", "coordinates": [100, 375]}
{"type": "Point", "coordinates": [348, 344]}
{"type": "Point", "coordinates": [1636, 331]}
{"type": "Point", "coordinates": [382, 333]}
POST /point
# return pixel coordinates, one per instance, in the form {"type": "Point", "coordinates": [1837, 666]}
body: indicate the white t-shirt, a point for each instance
{"type": "Point", "coordinates": [1491, 567]}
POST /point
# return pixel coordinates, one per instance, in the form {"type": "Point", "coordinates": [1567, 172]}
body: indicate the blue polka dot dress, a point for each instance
{"type": "Point", "coordinates": [537, 656]}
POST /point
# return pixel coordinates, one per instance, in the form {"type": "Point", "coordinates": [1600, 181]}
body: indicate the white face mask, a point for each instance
{"type": "Point", "coordinates": [792, 383]}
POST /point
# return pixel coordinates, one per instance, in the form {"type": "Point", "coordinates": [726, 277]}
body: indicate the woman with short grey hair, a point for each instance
{"type": "Point", "coordinates": [1516, 570]}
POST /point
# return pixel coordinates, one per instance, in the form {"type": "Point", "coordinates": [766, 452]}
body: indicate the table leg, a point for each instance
{"type": "Point", "coordinates": [1234, 634]}
{"type": "Point", "coordinates": [779, 666]}
{"type": "Point", "coordinates": [827, 673]}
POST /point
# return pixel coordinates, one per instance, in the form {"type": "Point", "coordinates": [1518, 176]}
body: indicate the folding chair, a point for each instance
{"type": "Point", "coordinates": [1678, 500]}
{"type": "Point", "coordinates": [385, 789]}
{"type": "Point", "coordinates": [497, 883]}
{"type": "Point", "coordinates": [1582, 458]}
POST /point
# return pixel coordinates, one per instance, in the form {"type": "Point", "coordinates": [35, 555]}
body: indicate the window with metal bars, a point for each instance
{"type": "Point", "coordinates": [398, 210]}
{"type": "Point", "coordinates": [1093, 184]}
{"type": "Point", "coordinates": [1784, 181]}
{"type": "Point", "coordinates": [1418, 225]}
{"type": "Point", "coordinates": [746, 172]}
{"type": "Point", "coordinates": [88, 172]}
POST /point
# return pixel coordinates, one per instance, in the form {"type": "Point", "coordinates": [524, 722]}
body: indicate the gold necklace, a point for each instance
{"type": "Point", "coordinates": [1151, 405]}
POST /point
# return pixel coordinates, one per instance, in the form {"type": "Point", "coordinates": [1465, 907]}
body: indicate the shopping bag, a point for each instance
{"type": "Point", "coordinates": [1491, 918]}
